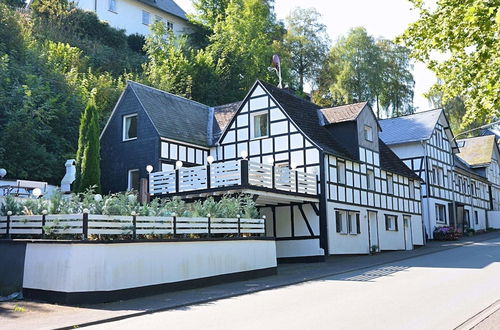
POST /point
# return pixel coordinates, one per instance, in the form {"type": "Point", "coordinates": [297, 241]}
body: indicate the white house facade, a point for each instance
{"type": "Point", "coordinates": [322, 178]}
{"type": "Point", "coordinates": [452, 193]}
{"type": "Point", "coordinates": [136, 16]}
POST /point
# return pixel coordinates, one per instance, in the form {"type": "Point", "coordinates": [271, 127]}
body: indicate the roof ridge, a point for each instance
{"type": "Point", "coordinates": [182, 98]}
{"type": "Point", "coordinates": [413, 114]}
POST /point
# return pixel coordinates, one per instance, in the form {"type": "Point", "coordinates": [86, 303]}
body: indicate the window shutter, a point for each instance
{"type": "Point", "coordinates": [358, 227]}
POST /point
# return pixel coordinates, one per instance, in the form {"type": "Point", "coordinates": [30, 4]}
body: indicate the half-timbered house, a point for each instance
{"type": "Point", "coordinates": [322, 178]}
{"type": "Point", "coordinates": [425, 142]}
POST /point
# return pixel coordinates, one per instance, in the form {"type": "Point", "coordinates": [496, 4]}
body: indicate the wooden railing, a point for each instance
{"type": "Point", "coordinates": [229, 174]}
{"type": "Point", "coordinates": [108, 225]}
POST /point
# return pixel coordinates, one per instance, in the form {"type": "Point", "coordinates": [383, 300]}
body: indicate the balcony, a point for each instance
{"type": "Point", "coordinates": [232, 177]}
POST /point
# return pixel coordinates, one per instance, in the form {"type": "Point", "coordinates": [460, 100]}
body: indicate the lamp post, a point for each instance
{"type": "Point", "coordinates": [3, 173]}
{"type": "Point", "coordinates": [37, 192]}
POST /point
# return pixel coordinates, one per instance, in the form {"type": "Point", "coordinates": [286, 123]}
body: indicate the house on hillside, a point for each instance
{"type": "Point", "coordinates": [322, 177]}
{"type": "Point", "coordinates": [453, 193]}
{"type": "Point", "coordinates": [136, 16]}
{"type": "Point", "coordinates": [482, 154]}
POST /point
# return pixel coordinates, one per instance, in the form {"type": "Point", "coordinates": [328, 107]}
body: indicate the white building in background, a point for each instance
{"type": "Point", "coordinates": [136, 16]}
{"type": "Point", "coordinates": [453, 193]}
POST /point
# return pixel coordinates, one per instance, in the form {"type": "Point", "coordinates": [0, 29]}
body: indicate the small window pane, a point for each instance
{"type": "Point", "coordinates": [260, 125]}
{"type": "Point", "coordinates": [133, 180]}
{"type": "Point", "coordinates": [130, 127]}
{"type": "Point", "coordinates": [370, 180]}
{"type": "Point", "coordinates": [112, 5]}
{"type": "Point", "coordinates": [341, 172]}
{"type": "Point", "coordinates": [368, 133]}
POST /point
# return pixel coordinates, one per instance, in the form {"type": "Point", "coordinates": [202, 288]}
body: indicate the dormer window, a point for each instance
{"type": "Point", "coordinates": [260, 123]}
{"type": "Point", "coordinates": [130, 127]}
{"type": "Point", "coordinates": [368, 133]}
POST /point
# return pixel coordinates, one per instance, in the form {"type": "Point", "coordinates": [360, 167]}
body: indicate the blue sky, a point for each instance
{"type": "Point", "coordinates": [381, 18]}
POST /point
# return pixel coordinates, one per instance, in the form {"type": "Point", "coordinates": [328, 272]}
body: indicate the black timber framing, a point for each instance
{"type": "Point", "coordinates": [323, 226]}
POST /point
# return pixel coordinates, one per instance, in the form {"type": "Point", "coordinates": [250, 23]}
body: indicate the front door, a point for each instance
{"type": "Point", "coordinates": [408, 233]}
{"type": "Point", "coordinates": [374, 240]}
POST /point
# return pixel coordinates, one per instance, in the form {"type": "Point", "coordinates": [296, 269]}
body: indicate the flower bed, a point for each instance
{"type": "Point", "coordinates": [446, 233]}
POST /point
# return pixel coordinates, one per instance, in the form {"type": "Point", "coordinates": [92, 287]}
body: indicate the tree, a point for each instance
{"type": "Point", "coordinates": [361, 68]}
{"type": "Point", "coordinates": [88, 154]}
{"type": "Point", "coordinates": [465, 33]}
{"type": "Point", "coordinates": [307, 43]}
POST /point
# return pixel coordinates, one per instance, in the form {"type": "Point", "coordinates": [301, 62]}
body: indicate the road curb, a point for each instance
{"type": "Point", "coordinates": [270, 287]}
{"type": "Point", "coordinates": [479, 317]}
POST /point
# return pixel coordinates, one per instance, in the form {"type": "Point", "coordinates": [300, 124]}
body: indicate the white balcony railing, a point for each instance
{"type": "Point", "coordinates": [229, 174]}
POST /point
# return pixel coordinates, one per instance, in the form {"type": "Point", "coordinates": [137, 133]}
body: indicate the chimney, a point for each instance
{"type": "Point", "coordinates": [69, 177]}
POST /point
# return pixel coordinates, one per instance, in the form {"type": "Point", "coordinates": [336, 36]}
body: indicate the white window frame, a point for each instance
{"type": "Point", "coordinates": [112, 6]}
{"type": "Point", "coordinates": [341, 173]}
{"type": "Point", "coordinates": [393, 219]}
{"type": "Point", "coordinates": [368, 130]}
{"type": "Point", "coordinates": [370, 180]}
{"type": "Point", "coordinates": [390, 184]}
{"type": "Point", "coordinates": [124, 125]}
{"type": "Point", "coordinates": [411, 189]}
{"type": "Point", "coordinates": [352, 223]}
{"type": "Point", "coordinates": [438, 208]}
{"type": "Point", "coordinates": [129, 178]}
{"type": "Point", "coordinates": [252, 124]}
{"type": "Point", "coordinates": [145, 14]}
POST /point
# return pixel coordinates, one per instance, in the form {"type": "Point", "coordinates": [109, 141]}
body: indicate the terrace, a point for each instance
{"type": "Point", "coordinates": [272, 185]}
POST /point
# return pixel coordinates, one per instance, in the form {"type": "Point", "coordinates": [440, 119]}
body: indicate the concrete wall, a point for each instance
{"type": "Point", "coordinates": [494, 219]}
{"type": "Point", "coordinates": [106, 267]}
{"type": "Point", "coordinates": [11, 266]}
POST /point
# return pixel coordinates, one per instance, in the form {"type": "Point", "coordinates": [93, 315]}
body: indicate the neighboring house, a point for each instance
{"type": "Point", "coordinates": [325, 181]}
{"type": "Point", "coordinates": [483, 156]}
{"type": "Point", "coordinates": [136, 16]}
{"type": "Point", "coordinates": [425, 142]}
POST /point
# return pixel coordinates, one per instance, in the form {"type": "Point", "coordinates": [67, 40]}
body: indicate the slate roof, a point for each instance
{"type": "Point", "coordinates": [168, 6]}
{"type": "Point", "coordinates": [174, 117]}
{"type": "Point", "coordinates": [306, 116]}
{"type": "Point", "coordinates": [477, 151]}
{"type": "Point", "coordinates": [411, 128]}
{"type": "Point", "coordinates": [343, 113]}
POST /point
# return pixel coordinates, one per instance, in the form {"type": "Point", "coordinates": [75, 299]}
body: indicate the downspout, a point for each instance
{"type": "Point", "coordinates": [323, 227]}
{"type": "Point", "coordinates": [428, 193]}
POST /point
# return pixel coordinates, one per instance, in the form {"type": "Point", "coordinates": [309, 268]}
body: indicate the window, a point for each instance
{"type": "Point", "coordinates": [466, 219]}
{"type": "Point", "coordinates": [339, 222]}
{"type": "Point", "coordinates": [437, 174]}
{"type": "Point", "coordinates": [112, 5]}
{"type": "Point", "coordinates": [368, 133]}
{"type": "Point", "coordinates": [440, 213]}
{"type": "Point", "coordinates": [170, 26]}
{"type": "Point", "coordinates": [391, 222]}
{"type": "Point", "coordinates": [341, 172]}
{"type": "Point", "coordinates": [412, 190]}
{"type": "Point", "coordinates": [353, 223]}
{"type": "Point", "coordinates": [146, 17]}
{"type": "Point", "coordinates": [133, 180]}
{"type": "Point", "coordinates": [370, 180]}
{"type": "Point", "coordinates": [130, 127]}
{"type": "Point", "coordinates": [260, 125]}
{"type": "Point", "coordinates": [158, 18]}
{"type": "Point", "coordinates": [476, 218]}
{"type": "Point", "coordinates": [390, 184]}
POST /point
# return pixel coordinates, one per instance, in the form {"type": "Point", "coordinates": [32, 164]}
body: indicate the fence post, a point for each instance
{"type": "Point", "coordinates": [239, 225]}
{"type": "Point", "coordinates": [244, 172]}
{"type": "Point", "coordinates": [208, 176]}
{"type": "Point", "coordinates": [44, 214]}
{"type": "Point", "coordinates": [134, 225]}
{"type": "Point", "coordinates": [296, 181]}
{"type": "Point", "coordinates": [7, 231]}
{"type": "Point", "coordinates": [265, 227]}
{"type": "Point", "coordinates": [175, 224]}
{"type": "Point", "coordinates": [85, 224]}
{"type": "Point", "coordinates": [177, 178]}
{"type": "Point", "coordinates": [273, 176]}
{"type": "Point", "coordinates": [209, 225]}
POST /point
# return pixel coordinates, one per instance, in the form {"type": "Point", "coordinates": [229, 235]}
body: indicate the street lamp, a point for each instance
{"type": "Point", "coordinates": [149, 169]}
{"type": "Point", "coordinates": [37, 192]}
{"type": "Point", "coordinates": [210, 160]}
{"type": "Point", "coordinates": [3, 172]}
{"type": "Point", "coordinates": [244, 154]}
{"type": "Point", "coordinates": [178, 164]}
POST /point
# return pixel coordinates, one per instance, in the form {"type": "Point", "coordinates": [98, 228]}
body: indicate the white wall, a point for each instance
{"type": "Point", "coordinates": [102, 267]}
{"type": "Point", "coordinates": [494, 219]}
{"type": "Point", "coordinates": [128, 15]}
{"type": "Point", "coordinates": [298, 248]}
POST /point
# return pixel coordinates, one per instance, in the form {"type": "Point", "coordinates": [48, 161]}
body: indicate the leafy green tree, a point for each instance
{"type": "Point", "coordinates": [361, 68]}
{"type": "Point", "coordinates": [307, 43]}
{"type": "Point", "coordinates": [466, 34]}
{"type": "Point", "coordinates": [88, 154]}
{"type": "Point", "coordinates": [14, 3]}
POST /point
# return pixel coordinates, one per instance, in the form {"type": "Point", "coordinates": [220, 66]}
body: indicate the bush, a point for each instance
{"type": "Point", "coordinates": [126, 203]}
{"type": "Point", "coordinates": [446, 233]}
{"type": "Point", "coordinates": [136, 42]}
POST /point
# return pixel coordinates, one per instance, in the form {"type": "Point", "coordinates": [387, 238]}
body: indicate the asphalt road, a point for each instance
{"type": "Point", "coordinates": [436, 291]}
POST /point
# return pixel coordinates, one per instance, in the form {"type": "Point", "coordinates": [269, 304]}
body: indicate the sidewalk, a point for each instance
{"type": "Point", "coordinates": [33, 315]}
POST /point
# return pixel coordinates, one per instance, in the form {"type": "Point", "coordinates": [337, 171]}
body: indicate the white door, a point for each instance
{"type": "Point", "coordinates": [408, 233]}
{"type": "Point", "coordinates": [374, 240]}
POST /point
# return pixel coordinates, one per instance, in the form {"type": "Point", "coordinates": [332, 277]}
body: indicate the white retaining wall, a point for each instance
{"type": "Point", "coordinates": [494, 219]}
{"type": "Point", "coordinates": [105, 267]}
